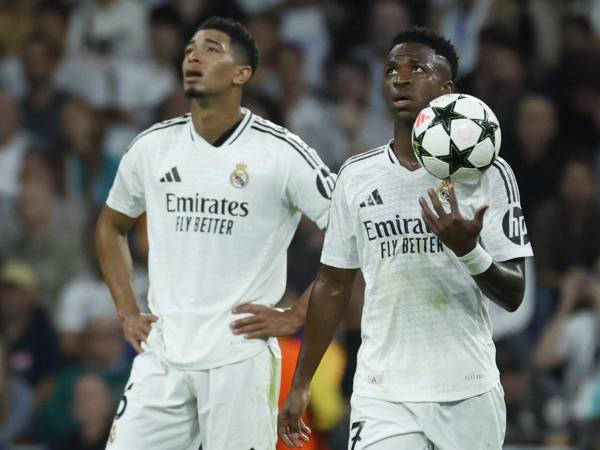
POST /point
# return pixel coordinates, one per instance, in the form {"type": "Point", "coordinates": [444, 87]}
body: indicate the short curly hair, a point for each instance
{"type": "Point", "coordinates": [439, 44]}
{"type": "Point", "coordinates": [239, 35]}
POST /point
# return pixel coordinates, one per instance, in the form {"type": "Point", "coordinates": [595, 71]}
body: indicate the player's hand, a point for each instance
{"type": "Point", "coordinates": [265, 322]}
{"type": "Point", "coordinates": [456, 232]}
{"type": "Point", "coordinates": [136, 327]}
{"type": "Point", "coordinates": [290, 427]}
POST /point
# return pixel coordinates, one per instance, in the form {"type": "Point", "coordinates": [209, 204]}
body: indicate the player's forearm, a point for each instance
{"type": "Point", "coordinates": [300, 308]}
{"type": "Point", "coordinates": [116, 263]}
{"type": "Point", "coordinates": [503, 283]}
{"type": "Point", "coordinates": [328, 302]}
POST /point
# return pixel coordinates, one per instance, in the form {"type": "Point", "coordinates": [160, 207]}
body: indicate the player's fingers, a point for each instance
{"type": "Point", "coordinates": [478, 219]}
{"type": "Point", "coordinates": [150, 318]}
{"type": "Point", "coordinates": [251, 331]}
{"type": "Point", "coordinates": [249, 308]}
{"type": "Point", "coordinates": [238, 324]}
{"type": "Point", "coordinates": [428, 216]}
{"type": "Point", "coordinates": [435, 201]}
{"type": "Point", "coordinates": [135, 344]}
{"type": "Point", "coordinates": [304, 428]}
{"type": "Point", "coordinates": [454, 202]}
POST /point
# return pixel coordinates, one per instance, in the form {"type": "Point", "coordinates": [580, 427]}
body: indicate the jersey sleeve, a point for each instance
{"type": "Point", "coordinates": [127, 193]}
{"type": "Point", "coordinates": [504, 233]}
{"type": "Point", "coordinates": [309, 182]}
{"type": "Point", "coordinates": [340, 247]}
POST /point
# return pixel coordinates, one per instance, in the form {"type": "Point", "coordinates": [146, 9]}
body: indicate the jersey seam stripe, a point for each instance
{"type": "Point", "coordinates": [249, 118]}
{"type": "Point", "coordinates": [287, 142]}
{"type": "Point", "coordinates": [357, 160]}
{"type": "Point", "coordinates": [389, 153]}
{"type": "Point", "coordinates": [368, 152]}
{"type": "Point", "coordinates": [295, 140]}
{"type": "Point", "coordinates": [289, 138]}
{"type": "Point", "coordinates": [155, 128]}
{"type": "Point", "coordinates": [513, 179]}
{"type": "Point", "coordinates": [500, 170]}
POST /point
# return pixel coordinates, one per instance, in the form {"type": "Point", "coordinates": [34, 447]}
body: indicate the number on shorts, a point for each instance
{"type": "Point", "coordinates": [359, 426]}
{"type": "Point", "coordinates": [122, 404]}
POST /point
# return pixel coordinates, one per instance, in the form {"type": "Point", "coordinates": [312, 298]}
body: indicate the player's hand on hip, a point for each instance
{"type": "Point", "coordinates": [458, 233]}
{"type": "Point", "coordinates": [290, 427]}
{"type": "Point", "coordinates": [264, 322]}
{"type": "Point", "coordinates": [136, 327]}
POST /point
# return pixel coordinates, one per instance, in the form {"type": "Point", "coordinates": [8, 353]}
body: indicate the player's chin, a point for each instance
{"type": "Point", "coordinates": [405, 115]}
{"type": "Point", "coordinates": [193, 92]}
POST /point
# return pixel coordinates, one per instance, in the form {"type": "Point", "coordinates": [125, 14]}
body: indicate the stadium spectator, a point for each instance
{"type": "Point", "coordinates": [565, 232]}
{"type": "Point", "coordinates": [109, 29]}
{"type": "Point", "coordinates": [31, 343]}
{"type": "Point", "coordinates": [87, 169]}
{"type": "Point", "coordinates": [42, 99]}
{"type": "Point", "coordinates": [14, 142]}
{"type": "Point", "coordinates": [386, 18]}
{"type": "Point", "coordinates": [16, 407]}
{"type": "Point", "coordinates": [462, 22]}
{"type": "Point", "coordinates": [536, 154]}
{"type": "Point", "coordinates": [92, 409]}
{"type": "Point", "coordinates": [86, 296]}
{"type": "Point", "coordinates": [104, 356]}
{"type": "Point", "coordinates": [570, 343]}
{"type": "Point", "coordinates": [39, 229]}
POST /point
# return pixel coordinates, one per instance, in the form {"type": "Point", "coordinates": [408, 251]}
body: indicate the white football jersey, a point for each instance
{"type": "Point", "coordinates": [426, 333]}
{"type": "Point", "coordinates": [220, 220]}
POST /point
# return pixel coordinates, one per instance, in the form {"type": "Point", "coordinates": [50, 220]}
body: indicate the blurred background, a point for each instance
{"type": "Point", "coordinates": [79, 79]}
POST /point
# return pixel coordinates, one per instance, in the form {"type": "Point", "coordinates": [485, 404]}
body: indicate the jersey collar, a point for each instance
{"type": "Point", "coordinates": [233, 137]}
{"type": "Point", "coordinates": [391, 158]}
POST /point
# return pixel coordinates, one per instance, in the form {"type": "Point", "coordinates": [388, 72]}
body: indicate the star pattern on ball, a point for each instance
{"type": "Point", "coordinates": [457, 158]}
{"type": "Point", "coordinates": [417, 144]}
{"type": "Point", "coordinates": [445, 116]}
{"type": "Point", "coordinates": [488, 128]}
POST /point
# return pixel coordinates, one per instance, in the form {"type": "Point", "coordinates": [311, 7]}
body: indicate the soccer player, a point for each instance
{"type": "Point", "coordinates": [432, 254]}
{"type": "Point", "coordinates": [223, 190]}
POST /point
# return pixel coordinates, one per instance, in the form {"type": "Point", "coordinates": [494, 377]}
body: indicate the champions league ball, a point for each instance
{"type": "Point", "coordinates": [456, 137]}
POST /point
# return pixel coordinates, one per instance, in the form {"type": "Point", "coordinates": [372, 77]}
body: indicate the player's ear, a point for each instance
{"type": "Point", "coordinates": [242, 75]}
{"type": "Point", "coordinates": [448, 87]}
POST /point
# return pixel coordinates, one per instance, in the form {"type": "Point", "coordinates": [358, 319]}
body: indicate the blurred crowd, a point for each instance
{"type": "Point", "coordinates": [80, 78]}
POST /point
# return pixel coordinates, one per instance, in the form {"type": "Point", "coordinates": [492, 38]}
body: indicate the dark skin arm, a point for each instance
{"type": "Point", "coordinates": [328, 302]}
{"type": "Point", "coordinates": [266, 321]}
{"type": "Point", "coordinates": [117, 267]}
{"type": "Point", "coordinates": [502, 282]}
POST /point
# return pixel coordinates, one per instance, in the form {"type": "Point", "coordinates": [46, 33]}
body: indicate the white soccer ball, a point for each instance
{"type": "Point", "coordinates": [457, 137]}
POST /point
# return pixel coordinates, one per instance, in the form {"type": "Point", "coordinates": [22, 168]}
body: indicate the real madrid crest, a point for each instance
{"type": "Point", "coordinates": [239, 178]}
{"type": "Point", "coordinates": [444, 190]}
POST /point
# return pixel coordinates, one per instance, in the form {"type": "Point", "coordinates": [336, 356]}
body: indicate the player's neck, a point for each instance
{"type": "Point", "coordinates": [212, 117]}
{"type": "Point", "coordinates": [403, 148]}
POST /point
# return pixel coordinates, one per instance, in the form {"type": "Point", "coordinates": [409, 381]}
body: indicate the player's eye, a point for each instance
{"type": "Point", "coordinates": [212, 50]}
{"type": "Point", "coordinates": [418, 69]}
{"type": "Point", "coordinates": [391, 71]}
{"type": "Point", "coordinates": [187, 51]}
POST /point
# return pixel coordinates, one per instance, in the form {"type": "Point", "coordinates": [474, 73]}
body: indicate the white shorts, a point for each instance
{"type": "Point", "coordinates": [225, 408]}
{"type": "Point", "coordinates": [474, 423]}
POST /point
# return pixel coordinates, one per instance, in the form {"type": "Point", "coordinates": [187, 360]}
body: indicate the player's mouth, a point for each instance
{"type": "Point", "coordinates": [193, 74]}
{"type": "Point", "coordinates": [401, 101]}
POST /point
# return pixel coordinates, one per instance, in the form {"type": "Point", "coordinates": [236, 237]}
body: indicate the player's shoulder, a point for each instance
{"type": "Point", "coordinates": [282, 142]}
{"type": "Point", "coordinates": [166, 127]}
{"type": "Point", "coordinates": [363, 161]}
{"type": "Point", "coordinates": [500, 174]}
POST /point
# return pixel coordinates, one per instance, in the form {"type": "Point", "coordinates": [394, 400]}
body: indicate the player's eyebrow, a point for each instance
{"type": "Point", "coordinates": [212, 41]}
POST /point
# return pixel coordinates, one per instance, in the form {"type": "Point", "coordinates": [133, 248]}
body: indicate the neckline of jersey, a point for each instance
{"type": "Point", "coordinates": [403, 170]}
{"type": "Point", "coordinates": [237, 133]}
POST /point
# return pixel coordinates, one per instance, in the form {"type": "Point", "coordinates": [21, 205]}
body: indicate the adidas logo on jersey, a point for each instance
{"type": "Point", "coordinates": [373, 199]}
{"type": "Point", "coordinates": [171, 176]}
